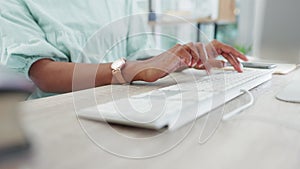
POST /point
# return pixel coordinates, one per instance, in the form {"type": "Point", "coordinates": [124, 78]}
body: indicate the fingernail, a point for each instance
{"type": "Point", "coordinates": [194, 65]}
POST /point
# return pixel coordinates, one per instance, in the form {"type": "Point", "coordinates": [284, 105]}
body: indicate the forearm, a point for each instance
{"type": "Point", "coordinates": [62, 77]}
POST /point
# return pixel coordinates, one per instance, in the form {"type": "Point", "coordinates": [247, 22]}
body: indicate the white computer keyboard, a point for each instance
{"type": "Point", "coordinates": [179, 104]}
{"type": "Point", "coordinates": [219, 81]}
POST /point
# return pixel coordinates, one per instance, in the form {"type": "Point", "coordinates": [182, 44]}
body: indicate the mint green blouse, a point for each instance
{"type": "Point", "coordinates": [80, 31]}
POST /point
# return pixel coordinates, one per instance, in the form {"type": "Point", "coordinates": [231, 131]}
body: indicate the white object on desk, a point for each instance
{"type": "Point", "coordinates": [283, 69]}
{"type": "Point", "coordinates": [166, 107]}
{"type": "Point", "coordinates": [291, 93]}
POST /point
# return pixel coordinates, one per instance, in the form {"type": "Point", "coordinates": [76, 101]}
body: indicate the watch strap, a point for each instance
{"type": "Point", "coordinates": [118, 77]}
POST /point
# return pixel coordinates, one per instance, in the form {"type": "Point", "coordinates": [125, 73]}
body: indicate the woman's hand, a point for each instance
{"type": "Point", "coordinates": [60, 77]}
{"type": "Point", "coordinates": [192, 55]}
{"type": "Point", "coordinates": [217, 48]}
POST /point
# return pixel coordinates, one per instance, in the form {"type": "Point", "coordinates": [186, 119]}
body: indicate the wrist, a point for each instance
{"type": "Point", "coordinates": [133, 71]}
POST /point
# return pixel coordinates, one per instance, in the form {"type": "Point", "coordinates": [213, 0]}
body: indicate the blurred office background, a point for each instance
{"type": "Point", "coordinates": [229, 21]}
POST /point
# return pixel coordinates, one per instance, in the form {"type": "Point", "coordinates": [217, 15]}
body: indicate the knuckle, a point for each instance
{"type": "Point", "coordinates": [200, 46]}
{"type": "Point", "coordinates": [190, 44]}
{"type": "Point", "coordinates": [199, 43]}
{"type": "Point", "coordinates": [215, 41]}
{"type": "Point", "coordinates": [187, 48]}
{"type": "Point", "coordinates": [178, 45]}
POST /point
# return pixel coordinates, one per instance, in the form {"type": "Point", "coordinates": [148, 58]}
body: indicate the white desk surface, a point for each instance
{"type": "Point", "coordinates": [266, 136]}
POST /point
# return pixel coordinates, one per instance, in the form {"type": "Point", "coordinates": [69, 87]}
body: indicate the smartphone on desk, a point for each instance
{"type": "Point", "coordinates": [259, 65]}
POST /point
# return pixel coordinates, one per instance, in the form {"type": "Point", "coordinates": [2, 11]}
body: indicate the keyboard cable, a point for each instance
{"type": "Point", "coordinates": [240, 109]}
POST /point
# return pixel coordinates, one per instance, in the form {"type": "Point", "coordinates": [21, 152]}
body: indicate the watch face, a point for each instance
{"type": "Point", "coordinates": [118, 64]}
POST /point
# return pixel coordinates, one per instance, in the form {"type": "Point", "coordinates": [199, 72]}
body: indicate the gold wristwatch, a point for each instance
{"type": "Point", "coordinates": [117, 67]}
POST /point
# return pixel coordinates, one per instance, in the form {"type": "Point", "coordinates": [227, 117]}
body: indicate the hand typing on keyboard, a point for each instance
{"type": "Point", "coordinates": [192, 55]}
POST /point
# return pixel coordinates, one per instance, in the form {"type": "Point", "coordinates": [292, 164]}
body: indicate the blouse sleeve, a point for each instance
{"type": "Point", "coordinates": [22, 41]}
